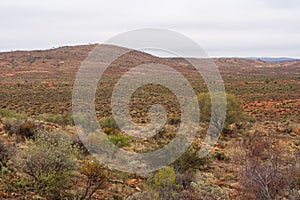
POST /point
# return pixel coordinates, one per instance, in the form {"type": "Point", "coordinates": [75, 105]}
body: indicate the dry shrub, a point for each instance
{"type": "Point", "coordinates": [174, 120]}
{"type": "Point", "coordinates": [4, 154]}
{"type": "Point", "coordinates": [45, 166]}
{"type": "Point", "coordinates": [96, 177]}
{"type": "Point", "coordinates": [24, 129]}
{"type": "Point", "coordinates": [10, 126]}
{"type": "Point", "coordinates": [266, 172]}
{"type": "Point", "coordinates": [204, 189]}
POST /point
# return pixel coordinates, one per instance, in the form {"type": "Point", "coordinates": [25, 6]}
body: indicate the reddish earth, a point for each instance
{"type": "Point", "coordinates": [270, 90]}
{"type": "Point", "coordinates": [272, 109]}
{"type": "Point", "coordinates": [38, 82]}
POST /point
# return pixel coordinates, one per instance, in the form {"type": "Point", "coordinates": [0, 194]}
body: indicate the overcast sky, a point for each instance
{"type": "Point", "coordinates": [223, 27]}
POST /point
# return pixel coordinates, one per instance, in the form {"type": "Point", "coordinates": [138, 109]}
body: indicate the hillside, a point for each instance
{"type": "Point", "coordinates": [268, 89]}
{"type": "Point", "coordinates": [42, 157]}
{"type": "Point", "coordinates": [65, 61]}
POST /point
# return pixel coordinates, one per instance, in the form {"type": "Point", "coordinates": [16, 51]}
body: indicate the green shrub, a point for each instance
{"type": "Point", "coordinates": [164, 177]}
{"type": "Point", "coordinates": [14, 182]}
{"type": "Point", "coordinates": [166, 184]}
{"type": "Point", "coordinates": [234, 111]}
{"type": "Point", "coordinates": [109, 123]}
{"type": "Point", "coordinates": [49, 161]}
{"type": "Point", "coordinates": [65, 119]}
{"type": "Point", "coordinates": [5, 113]}
{"type": "Point", "coordinates": [85, 121]}
{"type": "Point", "coordinates": [190, 160]}
{"type": "Point", "coordinates": [120, 140]}
{"type": "Point", "coordinates": [76, 141]}
{"type": "Point", "coordinates": [248, 118]}
{"type": "Point", "coordinates": [163, 183]}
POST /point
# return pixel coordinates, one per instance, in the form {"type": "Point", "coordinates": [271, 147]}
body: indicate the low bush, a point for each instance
{"type": "Point", "coordinates": [163, 184]}
{"type": "Point", "coordinates": [120, 140]}
{"type": "Point", "coordinates": [4, 154]}
{"type": "Point", "coordinates": [10, 126]}
{"type": "Point", "coordinates": [27, 129]}
{"type": "Point", "coordinates": [234, 111]}
{"type": "Point", "coordinates": [76, 141]}
{"type": "Point", "coordinates": [14, 182]}
{"type": "Point", "coordinates": [203, 189]}
{"type": "Point", "coordinates": [24, 129]}
{"type": "Point", "coordinates": [190, 160]}
{"type": "Point", "coordinates": [5, 113]}
{"type": "Point", "coordinates": [174, 120]}
{"type": "Point", "coordinates": [110, 123]}
{"type": "Point", "coordinates": [167, 184]}
{"type": "Point", "coordinates": [267, 168]}
{"type": "Point", "coordinates": [96, 177]}
{"type": "Point", "coordinates": [163, 178]}
{"type": "Point", "coordinates": [185, 179]}
{"type": "Point", "coordinates": [48, 162]}
{"type": "Point", "coordinates": [220, 155]}
{"type": "Point", "coordinates": [65, 119]}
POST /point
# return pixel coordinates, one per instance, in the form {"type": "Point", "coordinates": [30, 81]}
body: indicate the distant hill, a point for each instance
{"type": "Point", "coordinates": [269, 59]}
{"type": "Point", "coordinates": [61, 64]}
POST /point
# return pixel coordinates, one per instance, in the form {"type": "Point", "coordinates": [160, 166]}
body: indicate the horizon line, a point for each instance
{"type": "Point", "coordinates": [89, 44]}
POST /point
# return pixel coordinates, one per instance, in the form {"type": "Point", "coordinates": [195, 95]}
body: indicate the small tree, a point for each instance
{"type": "Point", "coordinates": [164, 182]}
{"type": "Point", "coordinates": [233, 109]}
{"type": "Point", "coordinates": [49, 160]}
{"type": "Point", "coordinates": [266, 172]}
{"type": "Point", "coordinates": [164, 177]}
{"type": "Point", "coordinates": [96, 177]}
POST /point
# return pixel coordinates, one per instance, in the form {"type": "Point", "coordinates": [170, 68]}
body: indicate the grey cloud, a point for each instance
{"type": "Point", "coordinates": [237, 27]}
